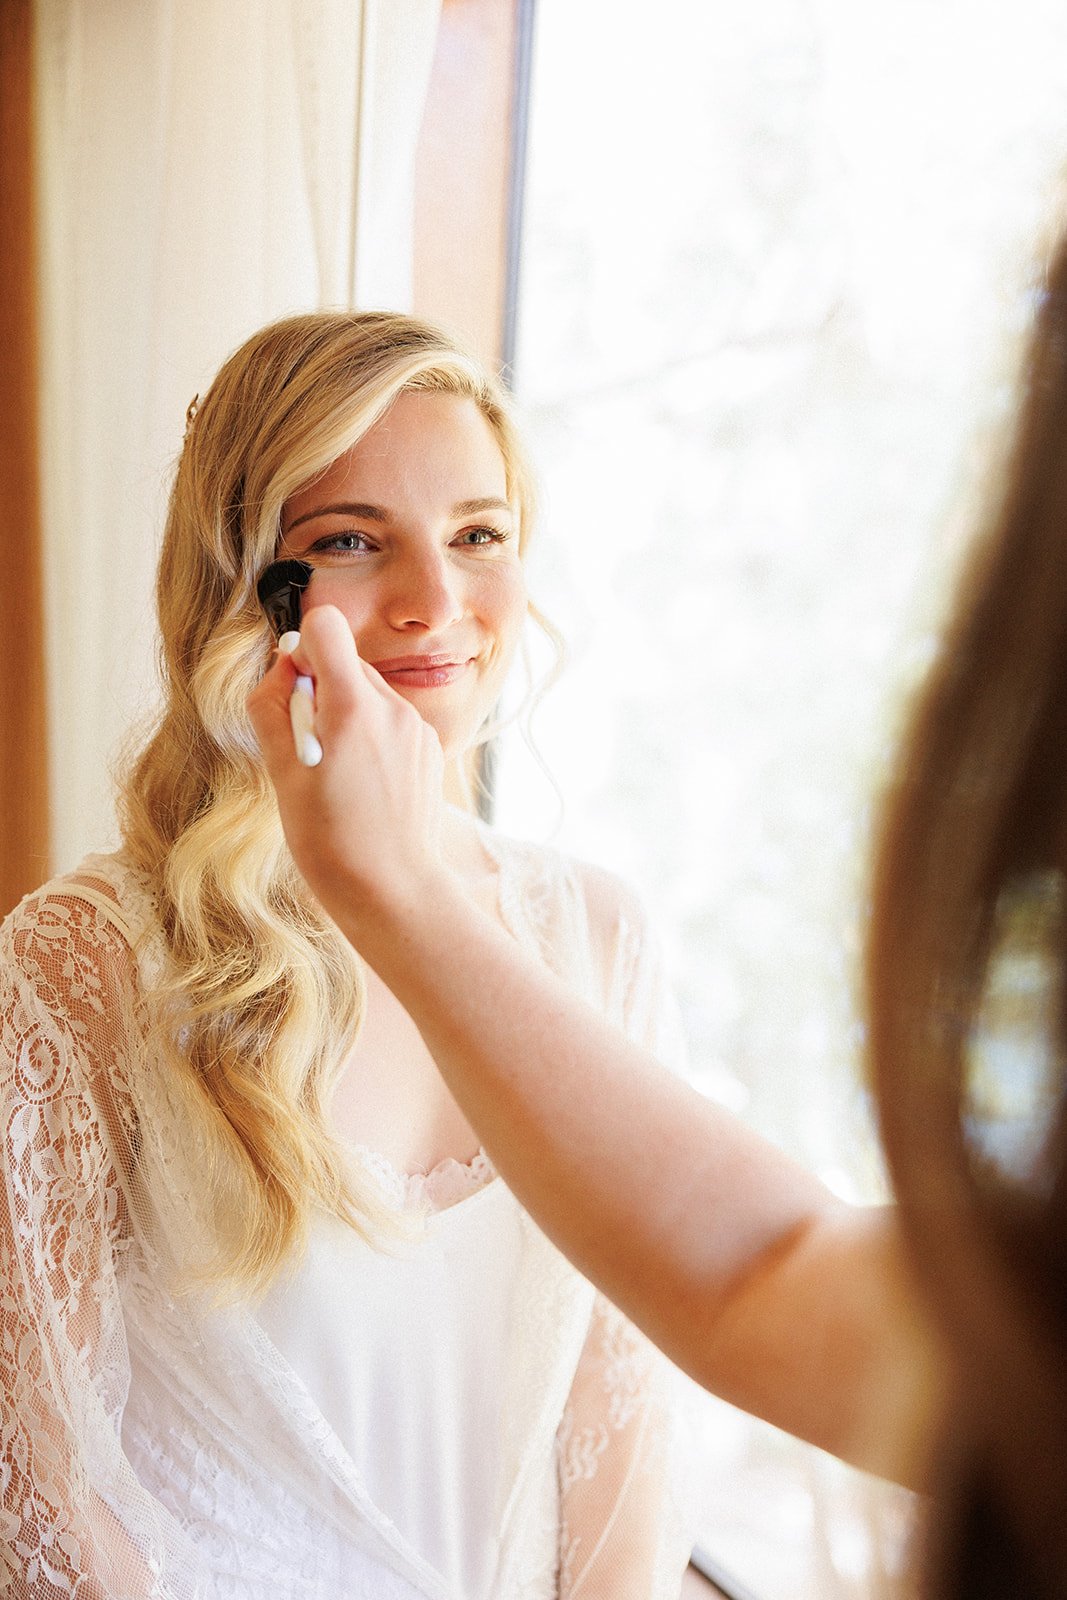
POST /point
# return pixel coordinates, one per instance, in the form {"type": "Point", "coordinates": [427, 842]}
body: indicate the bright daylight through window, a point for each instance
{"type": "Point", "coordinates": [776, 259]}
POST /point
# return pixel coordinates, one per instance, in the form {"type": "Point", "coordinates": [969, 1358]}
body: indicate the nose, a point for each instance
{"type": "Point", "coordinates": [424, 592]}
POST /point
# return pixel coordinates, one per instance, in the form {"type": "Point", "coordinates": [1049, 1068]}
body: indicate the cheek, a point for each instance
{"type": "Point", "coordinates": [354, 603]}
{"type": "Point", "coordinates": [504, 611]}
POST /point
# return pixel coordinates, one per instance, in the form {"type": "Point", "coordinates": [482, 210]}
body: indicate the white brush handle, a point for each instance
{"type": "Point", "coordinates": [302, 718]}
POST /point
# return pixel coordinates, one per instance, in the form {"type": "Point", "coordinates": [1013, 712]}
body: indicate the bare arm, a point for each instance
{"type": "Point", "coordinates": [736, 1261]}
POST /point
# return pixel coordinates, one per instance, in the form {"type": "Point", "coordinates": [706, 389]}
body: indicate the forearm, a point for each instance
{"type": "Point", "coordinates": [736, 1261]}
{"type": "Point", "coordinates": [622, 1164]}
{"type": "Point", "coordinates": [708, 1237]}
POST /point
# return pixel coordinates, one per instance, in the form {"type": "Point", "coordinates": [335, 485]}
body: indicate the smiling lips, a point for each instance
{"type": "Point", "coordinates": [421, 672]}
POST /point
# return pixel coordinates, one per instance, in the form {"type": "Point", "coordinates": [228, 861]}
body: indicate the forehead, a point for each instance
{"type": "Point", "coordinates": [436, 449]}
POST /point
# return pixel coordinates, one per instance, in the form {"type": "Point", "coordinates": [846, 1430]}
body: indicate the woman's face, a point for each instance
{"type": "Point", "coordinates": [413, 540]}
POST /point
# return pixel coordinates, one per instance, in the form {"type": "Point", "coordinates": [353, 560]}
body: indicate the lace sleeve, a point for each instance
{"type": "Point", "coordinates": [624, 1525]}
{"type": "Point", "coordinates": [621, 1535]}
{"type": "Point", "coordinates": [73, 1521]}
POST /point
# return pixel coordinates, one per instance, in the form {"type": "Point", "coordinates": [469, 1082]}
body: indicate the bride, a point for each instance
{"type": "Point", "coordinates": [271, 1322]}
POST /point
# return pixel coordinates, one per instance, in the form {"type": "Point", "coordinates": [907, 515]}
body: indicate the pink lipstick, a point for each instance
{"type": "Point", "coordinates": [421, 672]}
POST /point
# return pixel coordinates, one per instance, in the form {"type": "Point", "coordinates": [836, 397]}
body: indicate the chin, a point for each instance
{"type": "Point", "coordinates": [457, 745]}
{"type": "Point", "coordinates": [457, 731]}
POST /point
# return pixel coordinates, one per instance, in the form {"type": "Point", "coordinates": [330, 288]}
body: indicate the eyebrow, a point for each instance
{"type": "Point", "coordinates": [369, 513]}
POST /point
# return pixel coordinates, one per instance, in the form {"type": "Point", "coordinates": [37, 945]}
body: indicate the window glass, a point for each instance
{"type": "Point", "coordinates": [777, 259]}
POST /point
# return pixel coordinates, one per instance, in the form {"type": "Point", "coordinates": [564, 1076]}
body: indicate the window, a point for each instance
{"type": "Point", "coordinates": [775, 262]}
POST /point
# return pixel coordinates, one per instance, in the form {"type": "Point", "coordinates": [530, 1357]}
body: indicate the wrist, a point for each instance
{"type": "Point", "coordinates": [387, 918]}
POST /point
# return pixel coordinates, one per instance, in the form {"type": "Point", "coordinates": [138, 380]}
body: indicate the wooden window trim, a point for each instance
{"type": "Point", "coordinates": [24, 797]}
{"type": "Point", "coordinates": [469, 174]}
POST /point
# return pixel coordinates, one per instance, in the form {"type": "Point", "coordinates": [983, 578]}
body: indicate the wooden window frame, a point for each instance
{"type": "Point", "coordinates": [469, 174]}
{"type": "Point", "coordinates": [25, 830]}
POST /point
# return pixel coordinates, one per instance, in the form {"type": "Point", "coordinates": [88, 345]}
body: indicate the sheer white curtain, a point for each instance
{"type": "Point", "coordinates": [204, 168]}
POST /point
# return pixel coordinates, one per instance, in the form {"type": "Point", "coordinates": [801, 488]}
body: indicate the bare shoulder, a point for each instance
{"type": "Point", "coordinates": [611, 903]}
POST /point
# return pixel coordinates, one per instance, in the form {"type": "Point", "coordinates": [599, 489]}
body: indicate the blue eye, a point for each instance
{"type": "Point", "coordinates": [476, 536]}
{"type": "Point", "coordinates": [339, 543]}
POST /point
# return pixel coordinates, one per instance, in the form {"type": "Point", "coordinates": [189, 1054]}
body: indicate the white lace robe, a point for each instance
{"type": "Point", "coordinates": [154, 1445]}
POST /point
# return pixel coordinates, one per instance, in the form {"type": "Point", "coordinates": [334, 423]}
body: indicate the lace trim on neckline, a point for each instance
{"type": "Point", "coordinates": [438, 1189]}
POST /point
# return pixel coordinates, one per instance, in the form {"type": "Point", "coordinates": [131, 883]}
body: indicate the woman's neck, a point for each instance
{"type": "Point", "coordinates": [464, 850]}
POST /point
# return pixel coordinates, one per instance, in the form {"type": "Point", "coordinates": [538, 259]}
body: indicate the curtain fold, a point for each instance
{"type": "Point", "coordinates": [24, 832]}
{"type": "Point", "coordinates": [203, 169]}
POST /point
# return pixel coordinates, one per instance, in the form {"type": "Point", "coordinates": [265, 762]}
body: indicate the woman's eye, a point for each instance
{"type": "Point", "coordinates": [339, 543]}
{"type": "Point", "coordinates": [481, 536]}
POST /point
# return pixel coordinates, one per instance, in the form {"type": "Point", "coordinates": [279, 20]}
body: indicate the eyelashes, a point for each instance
{"type": "Point", "coordinates": [334, 544]}
{"type": "Point", "coordinates": [354, 542]}
{"type": "Point", "coordinates": [492, 536]}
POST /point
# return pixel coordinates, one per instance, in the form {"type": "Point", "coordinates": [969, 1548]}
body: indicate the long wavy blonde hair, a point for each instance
{"type": "Point", "coordinates": [262, 999]}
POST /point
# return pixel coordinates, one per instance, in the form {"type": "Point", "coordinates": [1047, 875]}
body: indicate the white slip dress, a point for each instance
{"type": "Point", "coordinates": [418, 1387]}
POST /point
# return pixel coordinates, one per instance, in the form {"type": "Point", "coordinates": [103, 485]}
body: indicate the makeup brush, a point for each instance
{"type": "Point", "coordinates": [280, 589]}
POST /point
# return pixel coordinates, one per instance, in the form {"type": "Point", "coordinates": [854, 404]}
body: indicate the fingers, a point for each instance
{"type": "Point", "coordinates": [326, 642]}
{"type": "Point", "coordinates": [381, 763]}
{"type": "Point", "coordinates": [345, 686]}
{"type": "Point", "coordinates": [327, 655]}
{"type": "Point", "coordinates": [327, 648]}
{"type": "Point", "coordinates": [268, 709]}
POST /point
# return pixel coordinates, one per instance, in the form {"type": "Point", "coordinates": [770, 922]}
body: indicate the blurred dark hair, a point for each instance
{"type": "Point", "coordinates": [978, 805]}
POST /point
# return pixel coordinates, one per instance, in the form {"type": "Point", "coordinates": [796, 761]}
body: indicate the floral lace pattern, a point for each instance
{"type": "Point", "coordinates": [155, 1447]}
{"type": "Point", "coordinates": [444, 1185]}
{"type": "Point", "coordinates": [620, 1528]}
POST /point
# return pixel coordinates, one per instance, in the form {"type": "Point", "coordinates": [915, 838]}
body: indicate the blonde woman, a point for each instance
{"type": "Point", "coordinates": [271, 1325]}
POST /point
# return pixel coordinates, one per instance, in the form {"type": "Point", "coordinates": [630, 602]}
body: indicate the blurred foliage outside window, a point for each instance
{"type": "Point", "coordinates": [777, 262]}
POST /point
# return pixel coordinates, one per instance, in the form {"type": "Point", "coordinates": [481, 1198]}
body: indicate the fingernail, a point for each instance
{"type": "Point", "coordinates": [288, 643]}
